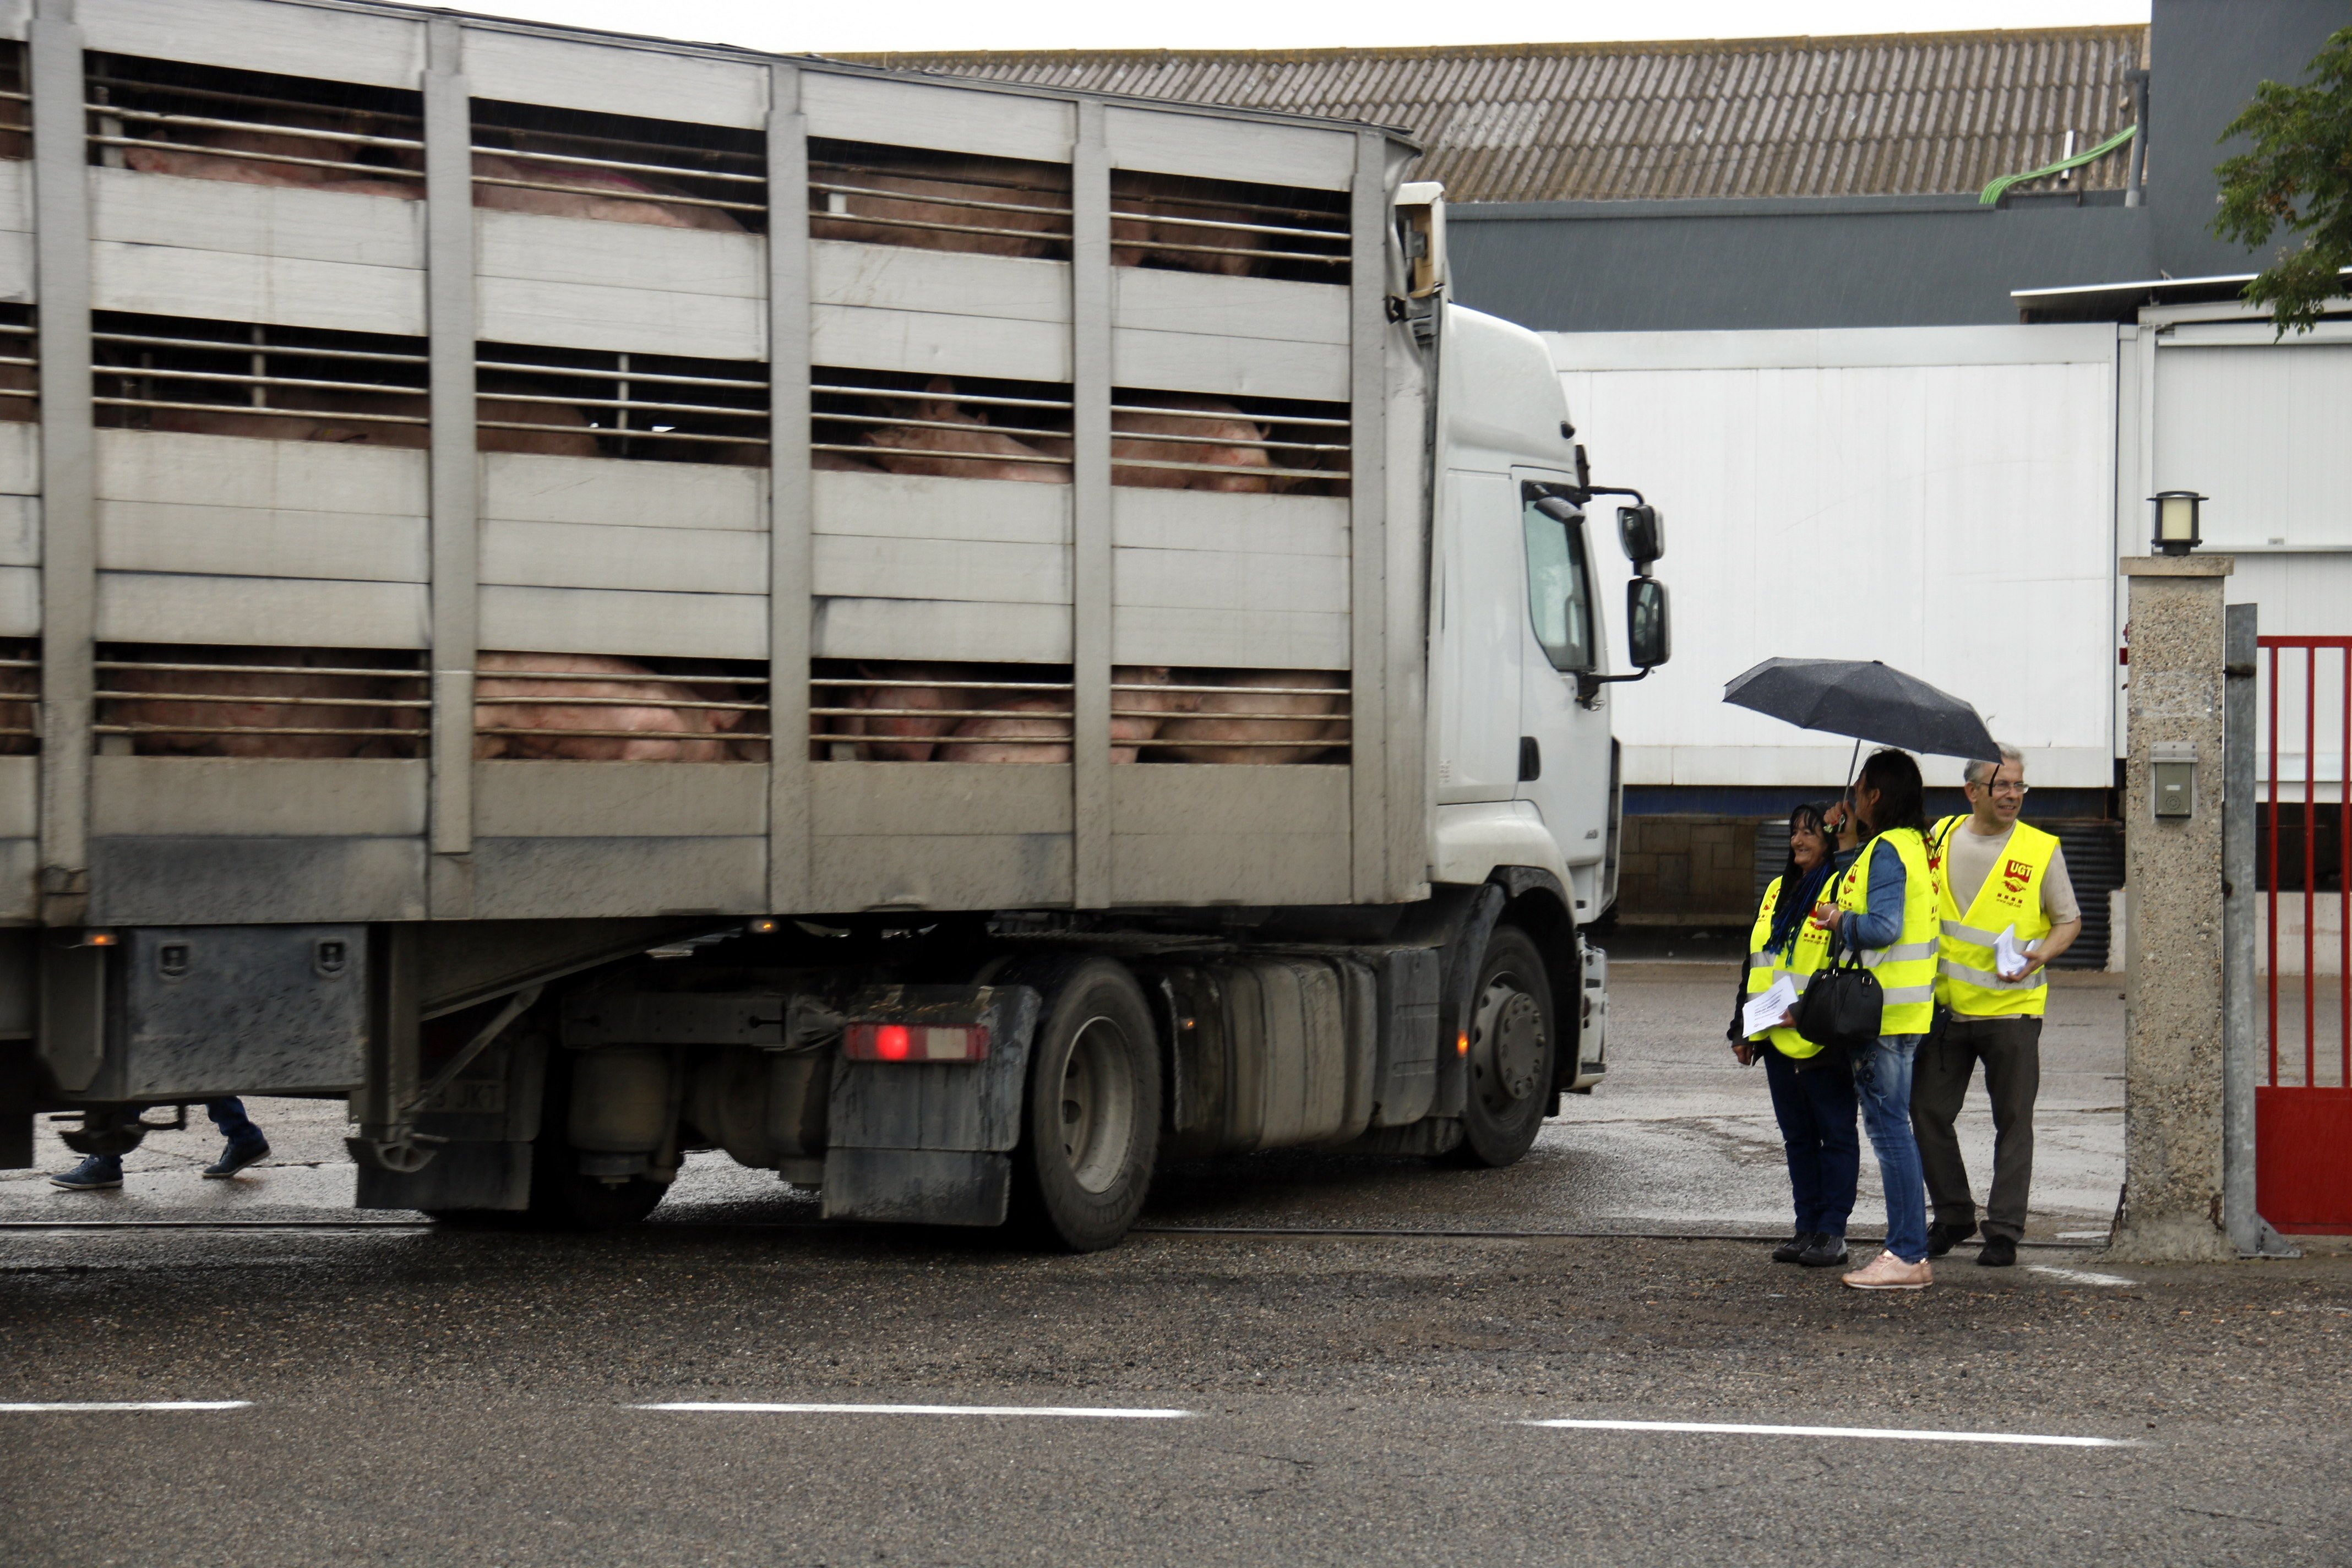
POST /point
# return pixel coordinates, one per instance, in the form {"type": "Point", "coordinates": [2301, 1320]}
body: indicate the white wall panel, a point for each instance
{"type": "Point", "coordinates": [1228, 579]}
{"type": "Point", "coordinates": [1156, 298]}
{"type": "Point", "coordinates": [853, 566]}
{"type": "Point", "coordinates": [924, 506]}
{"type": "Point", "coordinates": [955, 119]}
{"type": "Point", "coordinates": [249, 34]}
{"type": "Point", "coordinates": [2266, 433]}
{"type": "Point", "coordinates": [1173, 143]}
{"type": "Point", "coordinates": [651, 83]}
{"type": "Point", "coordinates": [20, 602]}
{"type": "Point", "coordinates": [1948, 516]}
{"type": "Point", "coordinates": [20, 530]}
{"type": "Point", "coordinates": [620, 319]}
{"type": "Point", "coordinates": [935, 343]}
{"type": "Point", "coordinates": [531, 487]}
{"type": "Point", "coordinates": [899, 278]}
{"type": "Point", "coordinates": [543, 248]}
{"type": "Point", "coordinates": [233, 471]}
{"type": "Point", "coordinates": [1150, 519]}
{"type": "Point", "coordinates": [304, 224]}
{"type": "Point", "coordinates": [139, 606]}
{"type": "Point", "coordinates": [588, 620]}
{"type": "Point", "coordinates": [222, 286]}
{"type": "Point", "coordinates": [1198, 362]}
{"type": "Point", "coordinates": [20, 458]}
{"type": "Point", "coordinates": [597, 555]}
{"type": "Point", "coordinates": [1256, 640]}
{"type": "Point", "coordinates": [164, 536]}
{"type": "Point", "coordinates": [936, 628]}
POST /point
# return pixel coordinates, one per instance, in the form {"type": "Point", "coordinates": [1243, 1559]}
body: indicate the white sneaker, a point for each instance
{"type": "Point", "coordinates": [1888, 1272]}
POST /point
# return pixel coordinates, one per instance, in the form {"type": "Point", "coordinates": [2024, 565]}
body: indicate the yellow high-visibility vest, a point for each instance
{"type": "Point", "coordinates": [1968, 977]}
{"type": "Point", "coordinates": [1799, 961]}
{"type": "Point", "coordinates": [1906, 967]}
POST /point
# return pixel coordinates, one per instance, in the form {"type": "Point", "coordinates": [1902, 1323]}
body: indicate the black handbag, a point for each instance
{"type": "Point", "coordinates": [1841, 1008]}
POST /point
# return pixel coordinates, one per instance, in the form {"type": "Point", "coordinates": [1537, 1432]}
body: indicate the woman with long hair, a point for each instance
{"type": "Point", "coordinates": [1884, 911]}
{"type": "Point", "coordinates": [1812, 1098]}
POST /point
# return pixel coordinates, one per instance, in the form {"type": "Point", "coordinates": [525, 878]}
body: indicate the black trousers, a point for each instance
{"type": "Point", "coordinates": [2011, 1050]}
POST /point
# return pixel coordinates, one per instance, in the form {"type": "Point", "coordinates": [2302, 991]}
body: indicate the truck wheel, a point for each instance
{"type": "Point", "coordinates": [1090, 1129]}
{"type": "Point", "coordinates": [560, 1197]}
{"type": "Point", "coordinates": [1513, 1046]}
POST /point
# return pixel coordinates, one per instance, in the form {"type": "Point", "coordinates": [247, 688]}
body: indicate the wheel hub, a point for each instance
{"type": "Point", "coordinates": [1097, 1106]}
{"type": "Point", "coordinates": [1506, 1042]}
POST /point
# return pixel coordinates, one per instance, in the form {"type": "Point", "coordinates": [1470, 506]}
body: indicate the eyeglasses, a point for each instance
{"type": "Point", "coordinates": [2003, 787]}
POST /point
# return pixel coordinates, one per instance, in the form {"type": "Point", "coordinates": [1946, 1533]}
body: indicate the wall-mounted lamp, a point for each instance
{"type": "Point", "coordinates": [2176, 521]}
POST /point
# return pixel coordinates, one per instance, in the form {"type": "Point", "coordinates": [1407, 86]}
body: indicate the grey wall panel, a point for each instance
{"type": "Point", "coordinates": [19, 859]}
{"type": "Point", "coordinates": [224, 880]}
{"type": "Point", "coordinates": [557, 879]}
{"type": "Point", "coordinates": [1609, 267]}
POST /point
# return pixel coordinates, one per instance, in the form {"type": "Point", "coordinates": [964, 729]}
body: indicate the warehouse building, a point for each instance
{"type": "Point", "coordinates": [1889, 412]}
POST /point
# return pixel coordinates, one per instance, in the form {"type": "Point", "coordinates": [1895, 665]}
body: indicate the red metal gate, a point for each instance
{"type": "Point", "coordinates": [2303, 1113]}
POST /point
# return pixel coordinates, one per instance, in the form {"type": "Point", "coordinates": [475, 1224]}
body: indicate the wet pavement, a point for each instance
{"type": "Point", "coordinates": [1679, 1138]}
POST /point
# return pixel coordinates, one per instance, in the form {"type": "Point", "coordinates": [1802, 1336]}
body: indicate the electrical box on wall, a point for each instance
{"type": "Point", "coordinates": [2172, 780]}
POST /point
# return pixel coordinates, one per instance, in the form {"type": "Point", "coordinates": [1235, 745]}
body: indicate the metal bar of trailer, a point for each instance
{"type": "Point", "coordinates": [456, 627]}
{"type": "Point", "coordinates": [168, 116]}
{"type": "Point", "coordinates": [569, 160]}
{"type": "Point", "coordinates": [371, 170]}
{"type": "Point", "coordinates": [67, 437]}
{"type": "Point", "coordinates": [1091, 586]}
{"type": "Point", "coordinates": [791, 571]}
{"type": "Point", "coordinates": [1372, 877]}
{"type": "Point", "coordinates": [607, 191]}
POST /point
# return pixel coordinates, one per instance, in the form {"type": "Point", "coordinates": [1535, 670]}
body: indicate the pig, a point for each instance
{"type": "Point", "coordinates": [936, 451]}
{"type": "Point", "coordinates": [1203, 734]}
{"type": "Point", "coordinates": [324, 702]}
{"type": "Point", "coordinates": [994, 740]}
{"type": "Point", "coordinates": [18, 378]}
{"type": "Point", "coordinates": [914, 734]}
{"type": "Point", "coordinates": [1140, 715]}
{"type": "Point", "coordinates": [568, 434]}
{"type": "Point", "coordinates": [1146, 214]}
{"type": "Point", "coordinates": [660, 732]}
{"type": "Point", "coordinates": [836, 215]}
{"type": "Point", "coordinates": [587, 197]}
{"type": "Point", "coordinates": [249, 171]}
{"type": "Point", "coordinates": [19, 692]}
{"type": "Point", "coordinates": [1249, 463]}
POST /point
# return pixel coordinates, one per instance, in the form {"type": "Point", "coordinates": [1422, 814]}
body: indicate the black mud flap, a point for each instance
{"type": "Point", "coordinates": [919, 1186]}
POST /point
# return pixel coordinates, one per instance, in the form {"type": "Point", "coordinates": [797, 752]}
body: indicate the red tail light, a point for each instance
{"type": "Point", "coordinates": [914, 1043]}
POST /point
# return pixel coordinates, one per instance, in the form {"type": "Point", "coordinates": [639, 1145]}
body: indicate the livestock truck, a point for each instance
{"type": "Point", "coordinates": [607, 598]}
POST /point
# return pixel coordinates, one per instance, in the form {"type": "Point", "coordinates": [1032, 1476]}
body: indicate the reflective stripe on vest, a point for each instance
{"type": "Point", "coordinates": [1906, 967]}
{"type": "Point", "coordinates": [1807, 950]}
{"type": "Point", "coordinates": [1968, 977]}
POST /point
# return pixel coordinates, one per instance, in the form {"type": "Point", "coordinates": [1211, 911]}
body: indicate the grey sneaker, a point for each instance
{"type": "Point", "coordinates": [1792, 1249]}
{"type": "Point", "coordinates": [236, 1157]}
{"type": "Point", "coordinates": [1826, 1252]}
{"type": "Point", "coordinates": [97, 1171]}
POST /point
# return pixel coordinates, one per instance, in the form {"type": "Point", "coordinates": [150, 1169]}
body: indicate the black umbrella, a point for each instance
{"type": "Point", "coordinates": [1866, 701]}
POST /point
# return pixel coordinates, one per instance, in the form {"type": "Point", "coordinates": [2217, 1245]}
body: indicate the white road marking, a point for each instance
{"type": "Point", "coordinates": [28, 1408]}
{"type": "Point", "coordinates": [1741, 1429]}
{"type": "Point", "coordinates": [2082, 1236]}
{"type": "Point", "coordinates": [2077, 1275]}
{"type": "Point", "coordinates": [1102, 1412]}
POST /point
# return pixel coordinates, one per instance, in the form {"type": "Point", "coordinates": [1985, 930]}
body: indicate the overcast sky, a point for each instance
{"type": "Point", "coordinates": [920, 24]}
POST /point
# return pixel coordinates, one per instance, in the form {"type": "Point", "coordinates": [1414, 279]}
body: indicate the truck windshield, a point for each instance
{"type": "Point", "coordinates": [1559, 599]}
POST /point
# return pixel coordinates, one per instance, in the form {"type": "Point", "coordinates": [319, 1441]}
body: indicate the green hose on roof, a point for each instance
{"type": "Point", "coordinates": [2000, 187]}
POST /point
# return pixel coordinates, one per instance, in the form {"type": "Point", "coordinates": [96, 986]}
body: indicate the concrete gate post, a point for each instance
{"type": "Point", "coordinates": [2171, 1208]}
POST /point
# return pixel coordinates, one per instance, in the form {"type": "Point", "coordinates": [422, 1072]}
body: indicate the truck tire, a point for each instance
{"type": "Point", "coordinates": [1514, 1050]}
{"type": "Point", "coordinates": [1090, 1119]}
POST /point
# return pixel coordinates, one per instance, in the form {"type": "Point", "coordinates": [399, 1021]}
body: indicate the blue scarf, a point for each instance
{"type": "Point", "coordinates": [1797, 901]}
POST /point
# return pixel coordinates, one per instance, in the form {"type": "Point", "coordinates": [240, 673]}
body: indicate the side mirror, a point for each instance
{"type": "Point", "coordinates": [1649, 639]}
{"type": "Point", "coordinates": [1643, 532]}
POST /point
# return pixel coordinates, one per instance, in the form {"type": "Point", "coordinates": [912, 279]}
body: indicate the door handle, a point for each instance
{"type": "Point", "coordinates": [1530, 760]}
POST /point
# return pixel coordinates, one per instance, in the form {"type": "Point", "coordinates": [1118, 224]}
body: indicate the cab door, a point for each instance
{"type": "Point", "coordinates": [1564, 732]}
{"type": "Point", "coordinates": [1480, 639]}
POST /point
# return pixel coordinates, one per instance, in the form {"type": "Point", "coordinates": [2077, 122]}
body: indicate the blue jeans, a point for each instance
{"type": "Point", "coordinates": [1815, 1108]}
{"type": "Point", "coordinates": [1882, 1079]}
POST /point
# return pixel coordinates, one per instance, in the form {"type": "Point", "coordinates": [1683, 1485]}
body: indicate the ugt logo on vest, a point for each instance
{"type": "Point", "coordinates": [2015, 875]}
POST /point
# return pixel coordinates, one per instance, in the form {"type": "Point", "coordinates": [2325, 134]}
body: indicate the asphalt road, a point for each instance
{"type": "Point", "coordinates": [420, 1395]}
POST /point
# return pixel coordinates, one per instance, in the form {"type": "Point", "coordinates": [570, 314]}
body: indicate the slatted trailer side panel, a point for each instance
{"type": "Point", "coordinates": [487, 473]}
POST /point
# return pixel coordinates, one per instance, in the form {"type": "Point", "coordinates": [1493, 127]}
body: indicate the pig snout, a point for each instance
{"type": "Point", "coordinates": [1247, 463]}
{"type": "Point", "coordinates": [913, 735]}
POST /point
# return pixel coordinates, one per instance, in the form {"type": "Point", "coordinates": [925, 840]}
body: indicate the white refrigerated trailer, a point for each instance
{"type": "Point", "coordinates": [607, 598]}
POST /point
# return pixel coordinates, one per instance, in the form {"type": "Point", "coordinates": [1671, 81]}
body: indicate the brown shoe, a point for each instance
{"type": "Point", "coordinates": [1888, 1272]}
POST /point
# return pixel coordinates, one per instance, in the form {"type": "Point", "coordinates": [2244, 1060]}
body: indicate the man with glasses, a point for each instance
{"type": "Point", "coordinates": [2001, 889]}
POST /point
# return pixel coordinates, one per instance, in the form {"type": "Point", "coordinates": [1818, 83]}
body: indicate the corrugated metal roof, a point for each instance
{"type": "Point", "coordinates": [1897, 114]}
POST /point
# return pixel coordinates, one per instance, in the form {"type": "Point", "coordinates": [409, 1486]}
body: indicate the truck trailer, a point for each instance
{"type": "Point", "coordinates": [607, 598]}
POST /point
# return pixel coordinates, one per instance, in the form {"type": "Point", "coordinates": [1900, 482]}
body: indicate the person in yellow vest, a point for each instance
{"type": "Point", "coordinates": [1812, 1099]}
{"type": "Point", "coordinates": [1885, 912]}
{"type": "Point", "coordinates": [1993, 874]}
